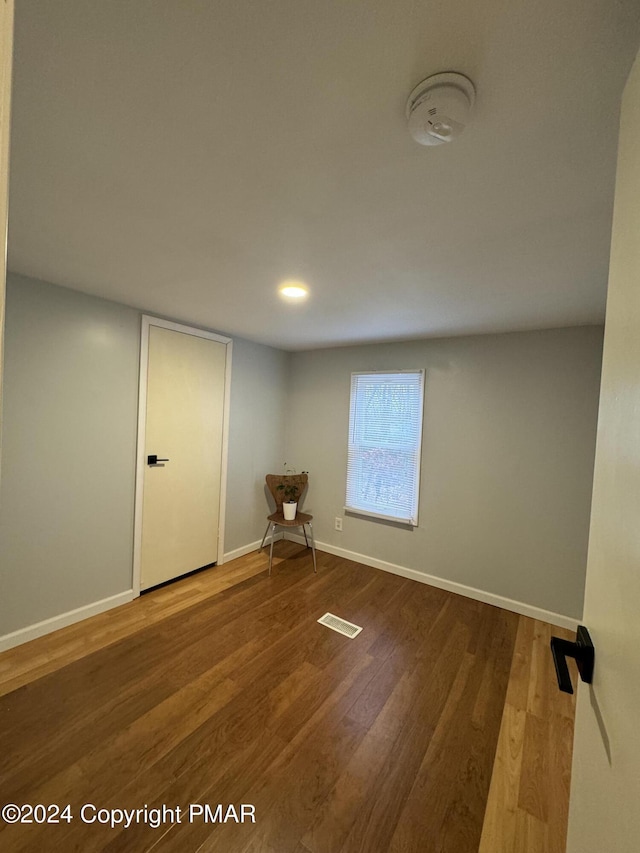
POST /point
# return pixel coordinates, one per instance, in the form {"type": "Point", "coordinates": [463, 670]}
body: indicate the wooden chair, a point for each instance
{"type": "Point", "coordinates": [275, 482]}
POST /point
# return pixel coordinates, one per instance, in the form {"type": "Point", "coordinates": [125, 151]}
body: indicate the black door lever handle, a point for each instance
{"type": "Point", "coordinates": [583, 652]}
{"type": "Point", "coordinates": [153, 460]}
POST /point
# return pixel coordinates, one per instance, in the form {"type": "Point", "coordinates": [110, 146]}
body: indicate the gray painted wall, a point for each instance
{"type": "Point", "coordinates": [68, 467]}
{"type": "Point", "coordinates": [507, 466]}
{"type": "Point", "coordinates": [257, 427]}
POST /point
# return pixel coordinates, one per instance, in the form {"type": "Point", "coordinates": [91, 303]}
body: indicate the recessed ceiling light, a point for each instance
{"type": "Point", "coordinates": [293, 291]}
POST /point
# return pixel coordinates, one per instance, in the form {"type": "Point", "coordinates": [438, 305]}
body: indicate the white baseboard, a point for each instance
{"type": "Point", "coordinates": [31, 632]}
{"type": "Point", "coordinates": [247, 549]}
{"type": "Point", "coordinates": [451, 586]}
{"type": "Point", "coordinates": [240, 552]}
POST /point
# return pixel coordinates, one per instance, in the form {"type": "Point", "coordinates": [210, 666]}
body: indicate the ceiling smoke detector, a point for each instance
{"type": "Point", "coordinates": [438, 109]}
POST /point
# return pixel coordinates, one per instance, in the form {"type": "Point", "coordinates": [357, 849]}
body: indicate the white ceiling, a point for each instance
{"type": "Point", "coordinates": [184, 157]}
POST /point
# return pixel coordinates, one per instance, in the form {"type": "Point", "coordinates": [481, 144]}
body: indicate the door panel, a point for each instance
{"type": "Point", "coordinates": [605, 784]}
{"type": "Point", "coordinates": [184, 422]}
{"type": "Point", "coordinates": [6, 50]}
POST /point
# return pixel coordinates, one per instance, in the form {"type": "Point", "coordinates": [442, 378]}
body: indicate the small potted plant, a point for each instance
{"type": "Point", "coordinates": [290, 502]}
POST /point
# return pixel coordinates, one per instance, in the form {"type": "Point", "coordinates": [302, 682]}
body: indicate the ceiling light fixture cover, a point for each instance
{"type": "Point", "coordinates": [438, 109]}
{"type": "Point", "coordinates": [293, 291]}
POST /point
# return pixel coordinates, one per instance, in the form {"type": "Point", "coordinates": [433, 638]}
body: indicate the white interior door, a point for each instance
{"type": "Point", "coordinates": [185, 400]}
{"type": "Point", "coordinates": [605, 785]}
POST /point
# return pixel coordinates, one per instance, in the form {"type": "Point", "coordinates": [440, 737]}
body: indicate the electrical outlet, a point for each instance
{"type": "Point", "coordinates": [338, 523]}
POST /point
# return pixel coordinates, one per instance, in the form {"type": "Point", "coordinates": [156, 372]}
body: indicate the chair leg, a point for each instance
{"type": "Point", "coordinates": [273, 533]}
{"type": "Point", "coordinates": [304, 530]}
{"type": "Point", "coordinates": [313, 548]}
{"type": "Point", "coordinates": [264, 537]}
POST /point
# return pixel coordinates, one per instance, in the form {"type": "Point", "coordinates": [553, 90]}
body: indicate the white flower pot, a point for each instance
{"type": "Point", "coordinates": [289, 508]}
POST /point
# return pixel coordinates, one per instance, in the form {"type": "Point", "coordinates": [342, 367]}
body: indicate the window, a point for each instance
{"type": "Point", "coordinates": [385, 432]}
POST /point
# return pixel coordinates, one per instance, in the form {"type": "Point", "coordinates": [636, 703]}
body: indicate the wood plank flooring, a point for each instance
{"type": "Point", "coordinates": [222, 688]}
{"type": "Point", "coordinates": [527, 808]}
{"type": "Point", "coordinates": [40, 657]}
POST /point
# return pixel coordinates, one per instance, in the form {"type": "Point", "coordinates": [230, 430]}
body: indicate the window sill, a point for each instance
{"type": "Point", "coordinates": [405, 522]}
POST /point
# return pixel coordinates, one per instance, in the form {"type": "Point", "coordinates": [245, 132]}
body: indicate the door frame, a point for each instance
{"type": "Point", "coordinates": [147, 322]}
{"type": "Point", "coordinates": [6, 72]}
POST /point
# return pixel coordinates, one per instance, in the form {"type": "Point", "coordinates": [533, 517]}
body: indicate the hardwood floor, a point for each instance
{"type": "Point", "coordinates": [224, 689]}
{"type": "Point", "coordinates": [527, 808]}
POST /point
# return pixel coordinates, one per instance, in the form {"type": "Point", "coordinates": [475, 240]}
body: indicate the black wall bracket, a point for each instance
{"type": "Point", "coordinates": [583, 652]}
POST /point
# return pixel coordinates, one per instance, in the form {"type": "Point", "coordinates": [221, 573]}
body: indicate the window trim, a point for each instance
{"type": "Point", "coordinates": [407, 522]}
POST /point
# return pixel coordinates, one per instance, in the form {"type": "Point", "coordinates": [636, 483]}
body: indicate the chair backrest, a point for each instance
{"type": "Point", "coordinates": [298, 481]}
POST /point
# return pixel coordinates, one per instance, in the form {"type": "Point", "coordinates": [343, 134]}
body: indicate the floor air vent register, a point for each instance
{"type": "Point", "coordinates": [347, 629]}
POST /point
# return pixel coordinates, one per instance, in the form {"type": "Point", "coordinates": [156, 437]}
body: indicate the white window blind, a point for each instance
{"type": "Point", "coordinates": [385, 436]}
